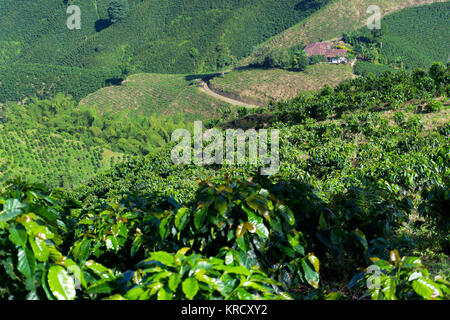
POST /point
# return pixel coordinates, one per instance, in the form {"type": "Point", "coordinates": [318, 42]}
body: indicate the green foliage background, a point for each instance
{"type": "Point", "coordinates": [363, 179]}
{"type": "Point", "coordinates": [411, 38]}
{"type": "Point", "coordinates": [20, 82]}
{"type": "Point", "coordinates": [157, 36]}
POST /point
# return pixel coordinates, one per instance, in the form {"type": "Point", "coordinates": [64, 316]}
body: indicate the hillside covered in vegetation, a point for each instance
{"type": "Point", "coordinates": [166, 37]}
{"type": "Point", "coordinates": [401, 44]}
{"type": "Point", "coordinates": [94, 206]}
{"type": "Point", "coordinates": [363, 177]}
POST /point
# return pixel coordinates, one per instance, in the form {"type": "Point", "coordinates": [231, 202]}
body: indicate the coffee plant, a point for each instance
{"type": "Point", "coordinates": [402, 278]}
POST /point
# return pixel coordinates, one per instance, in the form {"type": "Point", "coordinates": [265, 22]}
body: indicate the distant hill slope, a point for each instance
{"type": "Point", "coordinates": [160, 94]}
{"type": "Point", "coordinates": [20, 82]}
{"type": "Point", "coordinates": [172, 36]}
{"type": "Point", "coordinates": [337, 17]}
{"type": "Point", "coordinates": [402, 44]}
{"type": "Point", "coordinates": [59, 160]}
{"type": "Point", "coordinates": [261, 86]}
{"type": "Point", "coordinates": [418, 44]}
{"type": "Point", "coordinates": [422, 42]}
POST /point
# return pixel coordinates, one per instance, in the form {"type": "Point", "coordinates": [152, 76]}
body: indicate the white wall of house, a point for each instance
{"type": "Point", "coordinates": [338, 60]}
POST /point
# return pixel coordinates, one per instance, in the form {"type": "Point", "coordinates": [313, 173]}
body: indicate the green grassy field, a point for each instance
{"type": "Point", "coordinates": [261, 86]}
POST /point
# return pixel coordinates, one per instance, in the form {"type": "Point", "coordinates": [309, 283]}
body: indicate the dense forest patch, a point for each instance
{"type": "Point", "coordinates": [166, 37]}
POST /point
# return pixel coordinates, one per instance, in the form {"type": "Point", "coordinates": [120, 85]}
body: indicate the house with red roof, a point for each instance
{"type": "Point", "coordinates": [327, 50]}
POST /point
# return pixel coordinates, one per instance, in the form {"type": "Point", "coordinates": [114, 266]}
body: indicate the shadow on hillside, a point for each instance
{"type": "Point", "coordinates": [308, 4]}
{"type": "Point", "coordinates": [210, 76]}
{"type": "Point", "coordinates": [102, 24]}
{"type": "Point", "coordinates": [113, 82]}
{"type": "Point", "coordinates": [204, 77]}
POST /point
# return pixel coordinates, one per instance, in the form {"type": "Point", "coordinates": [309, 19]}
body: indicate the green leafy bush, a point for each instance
{"type": "Point", "coordinates": [403, 278]}
{"type": "Point", "coordinates": [165, 276]}
{"type": "Point", "coordinates": [32, 264]}
{"type": "Point", "coordinates": [22, 82]}
{"type": "Point", "coordinates": [256, 227]}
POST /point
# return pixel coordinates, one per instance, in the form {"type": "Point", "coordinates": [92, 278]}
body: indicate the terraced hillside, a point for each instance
{"type": "Point", "coordinates": [414, 45]}
{"type": "Point", "coordinates": [174, 36]}
{"type": "Point", "coordinates": [164, 95]}
{"type": "Point", "coordinates": [59, 160]}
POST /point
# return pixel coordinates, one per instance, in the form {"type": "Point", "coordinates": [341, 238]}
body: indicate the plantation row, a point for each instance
{"type": "Point", "coordinates": [169, 37]}
{"type": "Point", "coordinates": [234, 238]}
{"type": "Point", "coordinates": [120, 132]}
{"type": "Point", "coordinates": [44, 156]}
{"type": "Point", "coordinates": [412, 38]}
{"type": "Point", "coordinates": [21, 82]}
{"type": "Point", "coordinates": [386, 92]}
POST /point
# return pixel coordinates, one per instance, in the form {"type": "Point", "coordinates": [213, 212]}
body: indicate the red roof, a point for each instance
{"type": "Point", "coordinates": [324, 49]}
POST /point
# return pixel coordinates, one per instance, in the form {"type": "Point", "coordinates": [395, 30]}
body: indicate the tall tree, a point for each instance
{"type": "Point", "coordinates": [300, 60]}
{"type": "Point", "coordinates": [437, 72]}
{"type": "Point", "coordinates": [118, 10]}
{"type": "Point", "coordinates": [224, 57]}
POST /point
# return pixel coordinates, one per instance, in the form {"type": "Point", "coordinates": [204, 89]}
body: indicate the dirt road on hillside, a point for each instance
{"type": "Point", "coordinates": [206, 89]}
